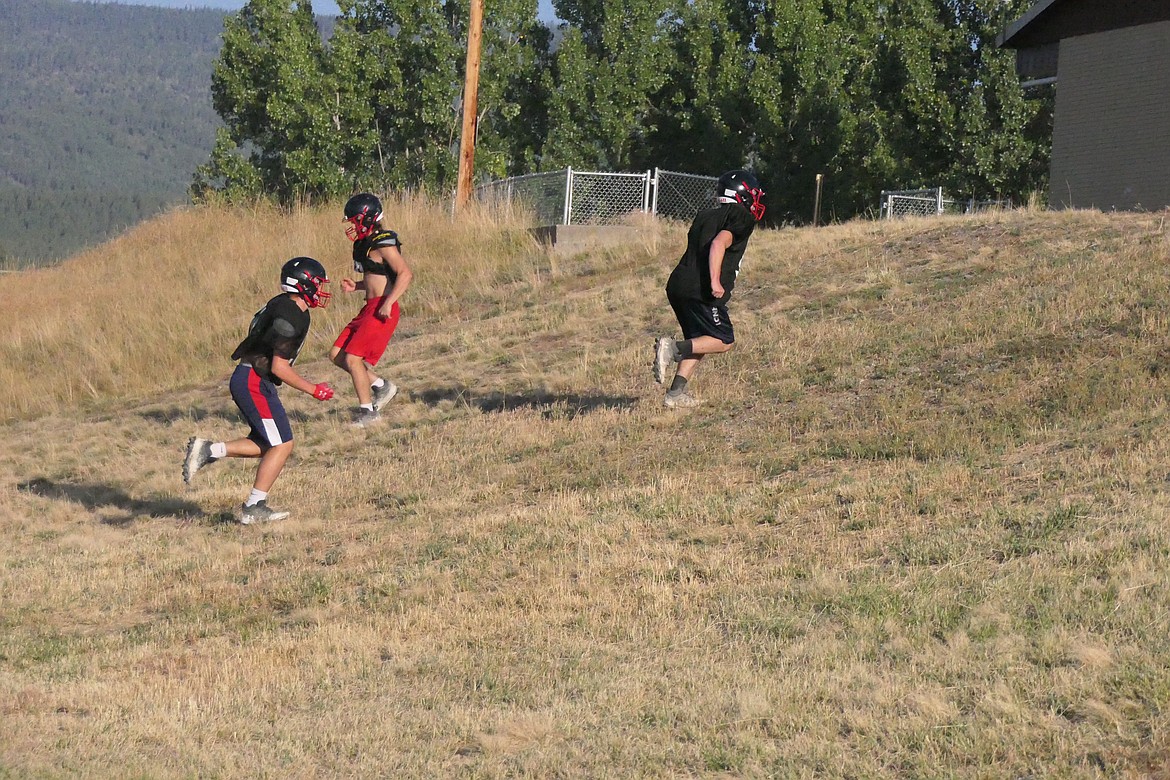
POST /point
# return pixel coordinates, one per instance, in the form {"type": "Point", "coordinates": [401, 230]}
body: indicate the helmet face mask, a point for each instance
{"type": "Point", "coordinates": [306, 277]}
{"type": "Point", "coordinates": [363, 211]}
{"type": "Point", "coordinates": [742, 187]}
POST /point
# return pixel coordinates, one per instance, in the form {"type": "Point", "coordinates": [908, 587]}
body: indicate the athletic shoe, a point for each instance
{"type": "Point", "coordinates": [384, 394]}
{"type": "Point", "coordinates": [260, 512]}
{"type": "Point", "coordinates": [364, 418]}
{"type": "Point", "coordinates": [664, 355]}
{"type": "Point", "coordinates": [198, 456]}
{"type": "Point", "coordinates": [683, 400]}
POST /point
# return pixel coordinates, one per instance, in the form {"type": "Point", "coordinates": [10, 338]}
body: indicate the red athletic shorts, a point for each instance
{"type": "Point", "coordinates": [366, 335]}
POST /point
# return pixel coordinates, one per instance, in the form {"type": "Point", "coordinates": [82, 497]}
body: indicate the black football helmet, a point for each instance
{"type": "Point", "coordinates": [742, 187]}
{"type": "Point", "coordinates": [361, 212]}
{"type": "Point", "coordinates": [306, 277]}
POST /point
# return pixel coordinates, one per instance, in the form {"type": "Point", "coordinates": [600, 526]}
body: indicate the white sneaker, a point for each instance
{"type": "Point", "coordinates": [663, 356]}
{"type": "Point", "coordinates": [198, 456]}
{"type": "Point", "coordinates": [384, 394]}
{"type": "Point", "coordinates": [683, 400]}
{"type": "Point", "coordinates": [260, 512]}
{"type": "Point", "coordinates": [364, 418]}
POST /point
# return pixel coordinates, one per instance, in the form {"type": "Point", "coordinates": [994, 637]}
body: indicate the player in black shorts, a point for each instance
{"type": "Point", "coordinates": [266, 358]}
{"type": "Point", "coordinates": [700, 285]}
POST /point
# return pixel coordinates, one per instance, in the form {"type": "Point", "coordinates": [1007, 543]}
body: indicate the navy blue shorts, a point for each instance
{"type": "Point", "coordinates": [258, 402]}
{"type": "Point", "coordinates": [698, 318]}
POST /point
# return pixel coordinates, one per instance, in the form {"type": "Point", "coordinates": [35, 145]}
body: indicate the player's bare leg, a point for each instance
{"type": "Point", "coordinates": [256, 509]}
{"type": "Point", "coordinates": [271, 464]}
{"type": "Point", "coordinates": [678, 397]}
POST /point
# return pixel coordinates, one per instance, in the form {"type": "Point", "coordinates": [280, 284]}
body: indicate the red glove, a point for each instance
{"type": "Point", "coordinates": [322, 391]}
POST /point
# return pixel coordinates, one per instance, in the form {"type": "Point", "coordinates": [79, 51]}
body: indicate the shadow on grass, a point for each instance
{"type": "Point", "coordinates": [95, 497]}
{"type": "Point", "coordinates": [549, 404]}
{"type": "Point", "coordinates": [196, 414]}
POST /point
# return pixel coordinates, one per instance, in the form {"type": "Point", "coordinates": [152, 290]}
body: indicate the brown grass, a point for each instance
{"type": "Point", "coordinates": [918, 530]}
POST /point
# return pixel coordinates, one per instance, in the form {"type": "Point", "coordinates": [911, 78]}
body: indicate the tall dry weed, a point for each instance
{"type": "Point", "coordinates": [165, 303]}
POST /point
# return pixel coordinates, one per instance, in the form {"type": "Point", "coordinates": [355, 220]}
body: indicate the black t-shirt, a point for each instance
{"type": "Point", "coordinates": [277, 330]}
{"type": "Point", "coordinates": [691, 278]}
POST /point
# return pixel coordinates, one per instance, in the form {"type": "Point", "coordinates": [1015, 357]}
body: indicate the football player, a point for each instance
{"type": "Point", "coordinates": [700, 286]}
{"type": "Point", "coordinates": [266, 358]}
{"type": "Point", "coordinates": [377, 256]}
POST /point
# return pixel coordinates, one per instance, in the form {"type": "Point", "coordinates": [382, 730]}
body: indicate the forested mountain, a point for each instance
{"type": "Point", "coordinates": [104, 114]}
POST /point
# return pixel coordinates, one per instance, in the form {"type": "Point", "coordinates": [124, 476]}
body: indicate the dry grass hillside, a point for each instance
{"type": "Point", "coordinates": [917, 530]}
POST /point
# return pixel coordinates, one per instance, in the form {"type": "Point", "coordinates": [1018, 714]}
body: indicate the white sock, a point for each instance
{"type": "Point", "coordinates": [368, 407]}
{"type": "Point", "coordinates": [377, 383]}
{"type": "Point", "coordinates": [218, 449]}
{"type": "Point", "coordinates": [255, 497]}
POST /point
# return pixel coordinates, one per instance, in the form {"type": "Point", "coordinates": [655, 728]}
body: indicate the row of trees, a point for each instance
{"type": "Point", "coordinates": [872, 93]}
{"type": "Point", "coordinates": [105, 112]}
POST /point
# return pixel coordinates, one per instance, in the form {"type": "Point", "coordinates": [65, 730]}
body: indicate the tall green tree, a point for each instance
{"type": "Point", "coordinates": [613, 58]}
{"type": "Point", "coordinates": [701, 118]}
{"type": "Point", "coordinates": [274, 91]}
{"type": "Point", "coordinates": [880, 95]}
{"type": "Point", "coordinates": [410, 57]}
{"type": "Point", "coordinates": [378, 105]}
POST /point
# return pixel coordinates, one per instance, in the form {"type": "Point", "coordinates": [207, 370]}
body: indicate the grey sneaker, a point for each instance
{"type": "Point", "coordinates": [384, 394]}
{"type": "Point", "coordinates": [364, 418]}
{"type": "Point", "coordinates": [198, 456]}
{"type": "Point", "coordinates": [260, 512]}
{"type": "Point", "coordinates": [664, 355]}
{"type": "Point", "coordinates": [683, 400]}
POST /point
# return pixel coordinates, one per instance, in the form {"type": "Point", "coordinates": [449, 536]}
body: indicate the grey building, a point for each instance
{"type": "Point", "coordinates": [1110, 60]}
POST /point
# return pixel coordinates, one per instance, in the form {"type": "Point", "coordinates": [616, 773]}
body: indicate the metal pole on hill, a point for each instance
{"type": "Point", "coordinates": [470, 106]}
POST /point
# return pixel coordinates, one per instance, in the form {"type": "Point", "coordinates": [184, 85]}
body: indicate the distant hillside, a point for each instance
{"type": "Point", "coordinates": [105, 112]}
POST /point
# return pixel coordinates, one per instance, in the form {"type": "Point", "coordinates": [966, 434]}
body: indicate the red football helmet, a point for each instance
{"type": "Point", "coordinates": [362, 211]}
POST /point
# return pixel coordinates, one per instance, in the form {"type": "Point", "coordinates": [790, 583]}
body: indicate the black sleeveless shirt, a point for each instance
{"type": "Point", "coordinates": [362, 263]}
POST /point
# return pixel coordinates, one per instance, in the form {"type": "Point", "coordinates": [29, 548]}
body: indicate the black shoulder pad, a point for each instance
{"type": "Point", "coordinates": [385, 238]}
{"type": "Point", "coordinates": [284, 328]}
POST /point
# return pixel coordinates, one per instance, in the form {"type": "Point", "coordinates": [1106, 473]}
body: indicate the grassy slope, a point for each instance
{"type": "Point", "coordinates": [916, 531]}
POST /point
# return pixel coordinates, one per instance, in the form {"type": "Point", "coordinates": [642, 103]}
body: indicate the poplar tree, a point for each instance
{"type": "Point", "coordinates": [271, 87]}
{"type": "Point", "coordinates": [612, 60]}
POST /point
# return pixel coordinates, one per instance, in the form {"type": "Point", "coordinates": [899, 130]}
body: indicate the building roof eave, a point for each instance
{"type": "Point", "coordinates": [1013, 29]}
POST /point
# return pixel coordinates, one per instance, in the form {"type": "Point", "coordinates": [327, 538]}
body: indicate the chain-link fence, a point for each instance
{"type": "Point", "coordinates": [543, 193]}
{"type": "Point", "coordinates": [605, 198]}
{"type": "Point", "coordinates": [932, 202]}
{"type": "Point", "coordinates": [681, 195]}
{"type": "Point", "coordinates": [570, 197]}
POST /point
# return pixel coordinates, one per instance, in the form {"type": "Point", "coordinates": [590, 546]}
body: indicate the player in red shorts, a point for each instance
{"type": "Point", "coordinates": [377, 256]}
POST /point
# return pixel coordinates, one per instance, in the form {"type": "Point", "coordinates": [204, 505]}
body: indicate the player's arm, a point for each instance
{"type": "Point", "coordinates": [349, 285]}
{"type": "Point", "coordinates": [393, 258]}
{"type": "Point", "coordinates": [285, 336]}
{"type": "Point", "coordinates": [719, 245]}
{"type": "Point", "coordinates": [284, 371]}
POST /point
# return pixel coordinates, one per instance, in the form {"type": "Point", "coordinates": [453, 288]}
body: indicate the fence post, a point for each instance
{"type": "Point", "coordinates": [646, 194]}
{"type": "Point", "coordinates": [654, 196]}
{"type": "Point", "coordinates": [817, 204]}
{"type": "Point", "coordinates": [939, 207]}
{"type": "Point", "coordinates": [568, 195]}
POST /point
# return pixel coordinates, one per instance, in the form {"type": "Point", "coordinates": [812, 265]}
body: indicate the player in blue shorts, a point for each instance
{"type": "Point", "coordinates": [266, 358]}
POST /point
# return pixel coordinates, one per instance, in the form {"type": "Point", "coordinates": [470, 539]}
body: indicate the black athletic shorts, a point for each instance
{"type": "Point", "coordinates": [703, 319]}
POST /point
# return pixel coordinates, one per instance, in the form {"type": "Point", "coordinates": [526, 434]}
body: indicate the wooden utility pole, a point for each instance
{"type": "Point", "coordinates": [470, 105]}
